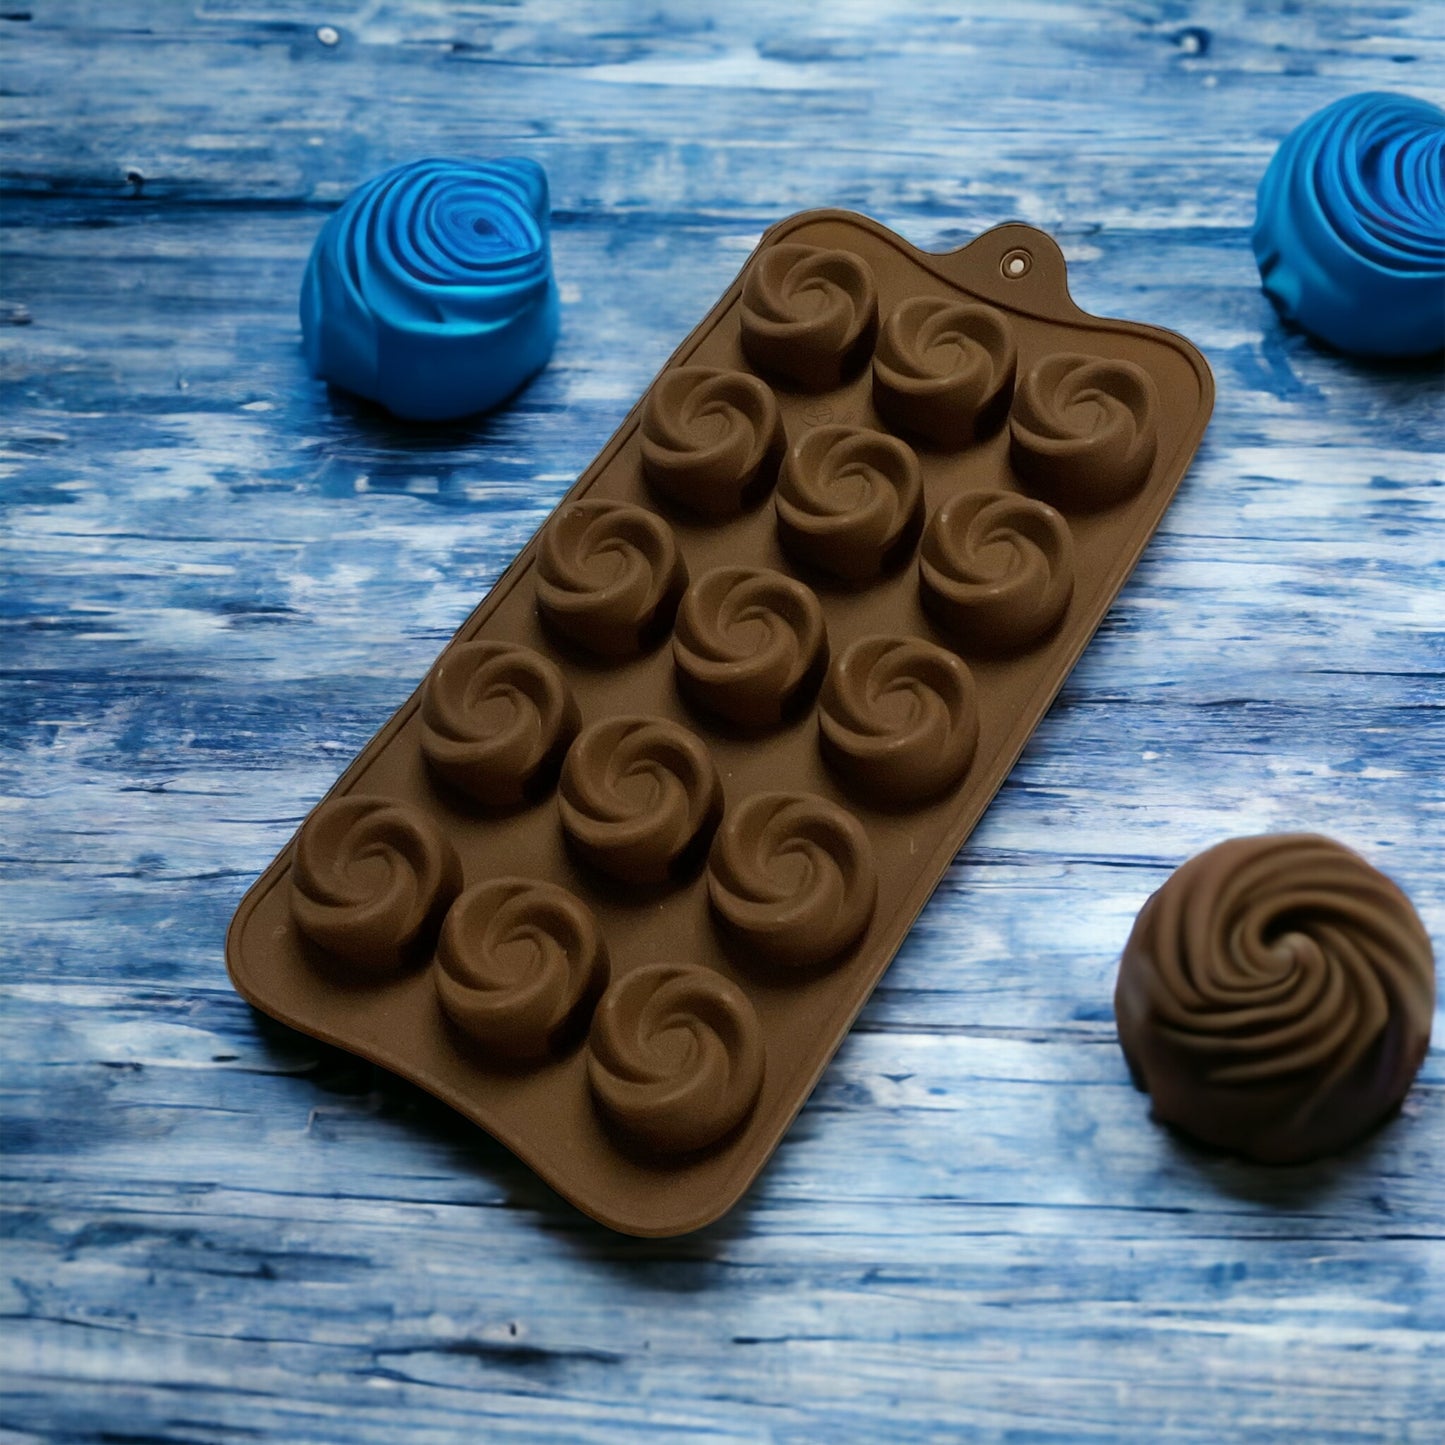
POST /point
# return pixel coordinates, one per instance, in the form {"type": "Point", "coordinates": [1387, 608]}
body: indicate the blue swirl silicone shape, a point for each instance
{"type": "Point", "coordinates": [431, 290]}
{"type": "Point", "coordinates": [1350, 227]}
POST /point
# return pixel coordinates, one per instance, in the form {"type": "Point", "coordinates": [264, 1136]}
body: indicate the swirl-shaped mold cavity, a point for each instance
{"type": "Point", "coordinates": [496, 720]}
{"type": "Point", "coordinates": [750, 645]}
{"type": "Point", "coordinates": [898, 718]}
{"type": "Point", "coordinates": [1350, 227]}
{"type": "Point", "coordinates": [944, 370]}
{"type": "Point", "coordinates": [996, 570]}
{"type": "Point", "coordinates": [792, 876]}
{"type": "Point", "coordinates": [711, 440]}
{"type": "Point", "coordinates": [676, 1057]}
{"type": "Point", "coordinates": [639, 798]}
{"type": "Point", "coordinates": [370, 880]}
{"type": "Point", "coordinates": [850, 502]}
{"type": "Point", "coordinates": [609, 576]}
{"type": "Point", "coordinates": [1083, 430]}
{"type": "Point", "coordinates": [809, 314]}
{"type": "Point", "coordinates": [431, 291]}
{"type": "Point", "coordinates": [1275, 997]}
{"type": "Point", "coordinates": [520, 964]}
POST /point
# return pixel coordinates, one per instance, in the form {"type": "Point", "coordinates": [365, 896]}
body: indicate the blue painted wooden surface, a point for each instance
{"type": "Point", "coordinates": [218, 581]}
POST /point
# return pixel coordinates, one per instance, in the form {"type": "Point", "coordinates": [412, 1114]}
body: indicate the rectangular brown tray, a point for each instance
{"type": "Point", "coordinates": [619, 1120]}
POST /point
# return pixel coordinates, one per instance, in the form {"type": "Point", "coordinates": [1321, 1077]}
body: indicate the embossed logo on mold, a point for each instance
{"type": "Point", "coordinates": [850, 502]}
{"type": "Point", "coordinates": [809, 314]}
{"type": "Point", "coordinates": [609, 577]}
{"type": "Point", "coordinates": [639, 798]}
{"type": "Point", "coordinates": [370, 880]}
{"type": "Point", "coordinates": [792, 875]}
{"type": "Point", "coordinates": [676, 1057]}
{"type": "Point", "coordinates": [1084, 430]}
{"type": "Point", "coordinates": [750, 645]}
{"type": "Point", "coordinates": [520, 964]}
{"type": "Point", "coordinates": [944, 370]}
{"type": "Point", "coordinates": [996, 570]}
{"type": "Point", "coordinates": [496, 719]}
{"type": "Point", "coordinates": [1276, 996]}
{"type": "Point", "coordinates": [898, 719]}
{"type": "Point", "coordinates": [711, 440]}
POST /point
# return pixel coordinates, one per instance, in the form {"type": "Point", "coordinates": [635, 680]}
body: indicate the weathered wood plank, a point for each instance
{"type": "Point", "coordinates": [218, 580]}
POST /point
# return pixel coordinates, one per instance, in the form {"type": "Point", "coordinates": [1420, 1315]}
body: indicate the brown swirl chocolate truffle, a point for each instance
{"type": "Point", "coordinates": [750, 644]}
{"type": "Point", "coordinates": [676, 1057]}
{"type": "Point", "coordinates": [809, 315]}
{"type": "Point", "coordinates": [1275, 997]}
{"type": "Point", "coordinates": [850, 502]}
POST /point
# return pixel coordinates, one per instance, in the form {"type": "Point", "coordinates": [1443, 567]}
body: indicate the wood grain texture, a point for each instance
{"type": "Point", "coordinates": [219, 580]}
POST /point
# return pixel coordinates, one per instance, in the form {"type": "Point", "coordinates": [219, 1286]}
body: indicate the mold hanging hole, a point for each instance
{"type": "Point", "coordinates": [1015, 264]}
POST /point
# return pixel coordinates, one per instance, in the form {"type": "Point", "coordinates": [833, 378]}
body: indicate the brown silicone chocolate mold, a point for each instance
{"type": "Point", "coordinates": [616, 880]}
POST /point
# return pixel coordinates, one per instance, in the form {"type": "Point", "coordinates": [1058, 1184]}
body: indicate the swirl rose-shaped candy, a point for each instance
{"type": "Point", "coordinates": [750, 645]}
{"type": "Point", "coordinates": [1275, 997]}
{"type": "Point", "coordinates": [809, 314]}
{"type": "Point", "coordinates": [431, 291]}
{"type": "Point", "coordinates": [1350, 227]}
{"type": "Point", "coordinates": [520, 964]}
{"type": "Point", "coordinates": [370, 880]}
{"type": "Point", "coordinates": [711, 440]}
{"type": "Point", "coordinates": [609, 576]}
{"type": "Point", "coordinates": [496, 720]}
{"type": "Point", "coordinates": [792, 875]}
{"type": "Point", "coordinates": [898, 718]}
{"type": "Point", "coordinates": [676, 1057]}
{"type": "Point", "coordinates": [944, 370]}
{"type": "Point", "coordinates": [850, 502]}
{"type": "Point", "coordinates": [1084, 430]}
{"type": "Point", "coordinates": [639, 798]}
{"type": "Point", "coordinates": [996, 570]}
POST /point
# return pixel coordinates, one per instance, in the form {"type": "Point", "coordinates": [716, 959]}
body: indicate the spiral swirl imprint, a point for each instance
{"type": "Point", "coordinates": [898, 719]}
{"type": "Point", "coordinates": [1350, 228]}
{"type": "Point", "coordinates": [1275, 997]}
{"type": "Point", "coordinates": [520, 965]}
{"type": "Point", "coordinates": [850, 502]}
{"type": "Point", "coordinates": [431, 290]}
{"type": "Point", "coordinates": [792, 875]}
{"type": "Point", "coordinates": [370, 880]}
{"type": "Point", "coordinates": [711, 440]}
{"type": "Point", "coordinates": [809, 314]}
{"type": "Point", "coordinates": [750, 645]}
{"type": "Point", "coordinates": [676, 1057]}
{"type": "Point", "coordinates": [1084, 431]}
{"type": "Point", "coordinates": [496, 720]}
{"type": "Point", "coordinates": [609, 576]}
{"type": "Point", "coordinates": [996, 570]}
{"type": "Point", "coordinates": [639, 798]}
{"type": "Point", "coordinates": [944, 370]}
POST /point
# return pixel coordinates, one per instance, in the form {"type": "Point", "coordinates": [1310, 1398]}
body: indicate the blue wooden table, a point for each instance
{"type": "Point", "coordinates": [219, 580]}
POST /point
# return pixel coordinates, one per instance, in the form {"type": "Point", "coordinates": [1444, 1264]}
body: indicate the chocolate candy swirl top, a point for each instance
{"type": "Point", "coordinates": [371, 878]}
{"type": "Point", "coordinates": [809, 314]}
{"type": "Point", "coordinates": [676, 1057]}
{"type": "Point", "coordinates": [750, 644]}
{"type": "Point", "coordinates": [496, 719]}
{"type": "Point", "coordinates": [639, 798]}
{"type": "Point", "coordinates": [899, 718]}
{"type": "Point", "coordinates": [793, 876]}
{"type": "Point", "coordinates": [1084, 430]}
{"type": "Point", "coordinates": [711, 440]}
{"type": "Point", "coordinates": [609, 576]}
{"type": "Point", "coordinates": [520, 963]}
{"type": "Point", "coordinates": [944, 370]}
{"type": "Point", "coordinates": [850, 502]}
{"type": "Point", "coordinates": [1275, 997]}
{"type": "Point", "coordinates": [996, 570]}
